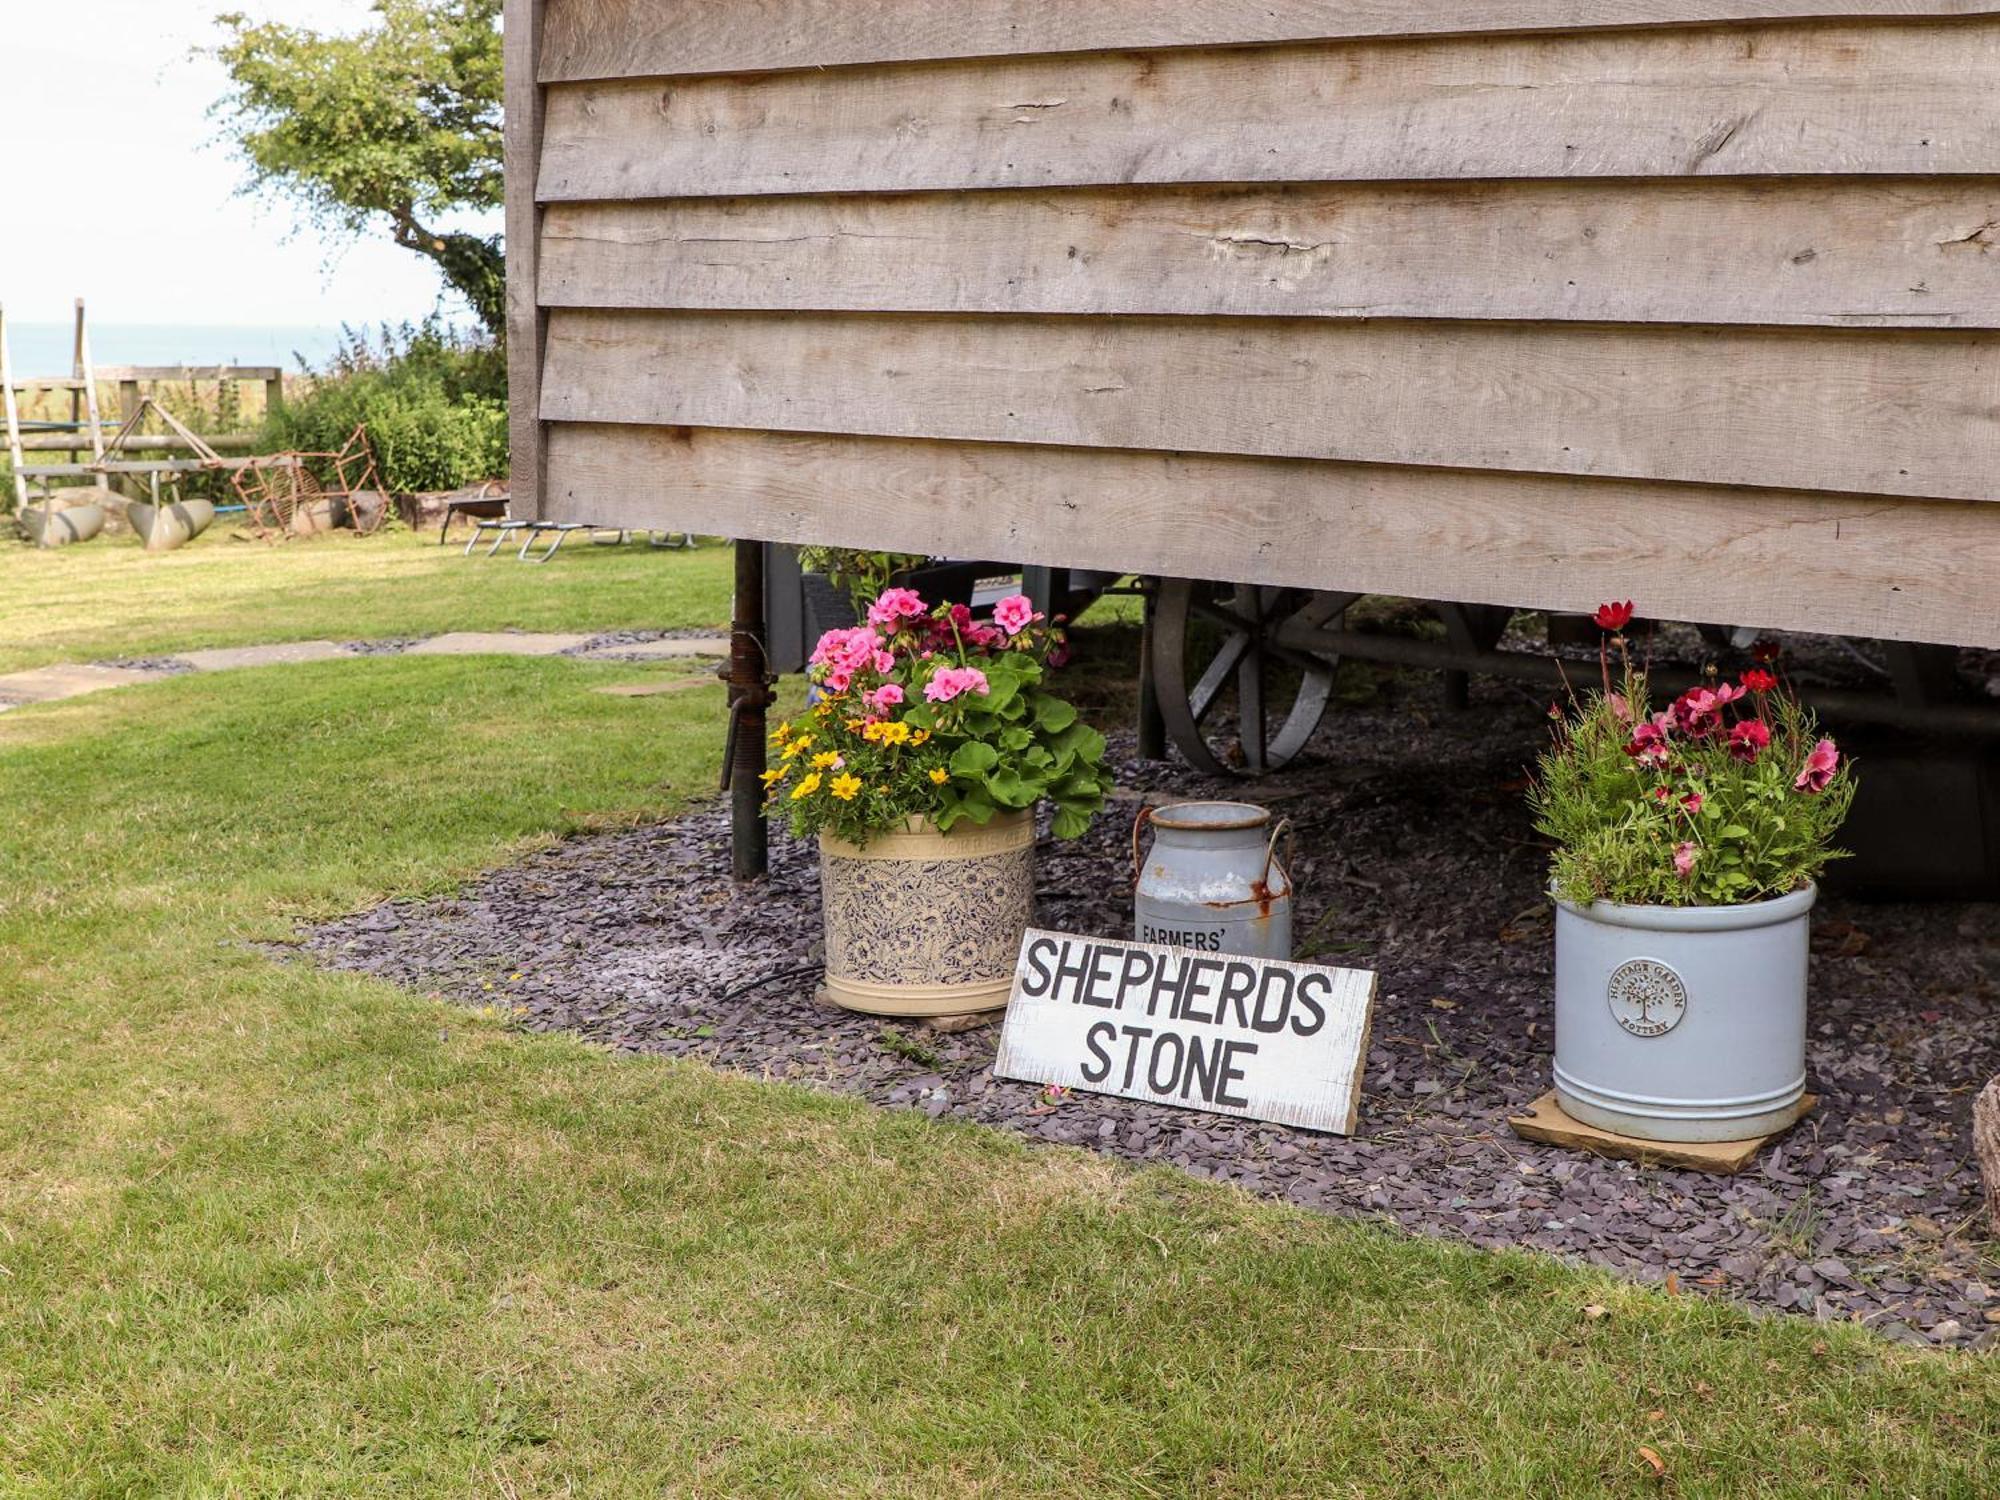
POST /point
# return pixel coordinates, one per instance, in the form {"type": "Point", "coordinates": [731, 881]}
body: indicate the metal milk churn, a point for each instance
{"type": "Point", "coordinates": [1212, 880]}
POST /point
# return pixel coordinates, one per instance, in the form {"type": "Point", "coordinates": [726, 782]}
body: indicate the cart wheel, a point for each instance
{"type": "Point", "coordinates": [1213, 641]}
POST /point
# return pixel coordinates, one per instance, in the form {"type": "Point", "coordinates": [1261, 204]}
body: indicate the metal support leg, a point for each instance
{"type": "Point", "coordinates": [750, 683]}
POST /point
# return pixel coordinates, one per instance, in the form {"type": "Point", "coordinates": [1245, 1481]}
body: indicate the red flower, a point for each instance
{"type": "Point", "coordinates": [1614, 616]}
{"type": "Point", "coordinates": [1692, 802]}
{"type": "Point", "coordinates": [1749, 739]}
{"type": "Point", "coordinates": [1765, 650]}
{"type": "Point", "coordinates": [1759, 681]}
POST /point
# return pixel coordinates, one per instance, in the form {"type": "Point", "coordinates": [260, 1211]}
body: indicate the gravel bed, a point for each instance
{"type": "Point", "coordinates": [167, 666]}
{"type": "Point", "coordinates": [613, 638]}
{"type": "Point", "coordinates": [394, 645]}
{"type": "Point", "coordinates": [1416, 859]}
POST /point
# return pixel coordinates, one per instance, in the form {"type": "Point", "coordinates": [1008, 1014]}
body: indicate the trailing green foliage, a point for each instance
{"type": "Point", "coordinates": [860, 575]}
{"type": "Point", "coordinates": [1684, 807]}
{"type": "Point", "coordinates": [434, 403]}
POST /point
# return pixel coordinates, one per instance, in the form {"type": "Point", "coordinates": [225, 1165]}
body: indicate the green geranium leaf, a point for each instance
{"type": "Point", "coordinates": [1054, 714]}
{"type": "Point", "coordinates": [974, 758]}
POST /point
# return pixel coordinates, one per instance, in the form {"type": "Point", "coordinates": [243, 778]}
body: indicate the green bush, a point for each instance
{"type": "Point", "coordinates": [434, 402]}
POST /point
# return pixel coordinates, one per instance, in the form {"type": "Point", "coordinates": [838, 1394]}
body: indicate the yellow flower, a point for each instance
{"type": "Point", "coordinates": [920, 736]}
{"type": "Point", "coordinates": [807, 787]}
{"type": "Point", "coordinates": [776, 773]}
{"type": "Point", "coordinates": [940, 775]}
{"type": "Point", "coordinates": [887, 732]}
{"type": "Point", "coordinates": [798, 746]}
{"type": "Point", "coordinates": [844, 787]}
{"type": "Point", "coordinates": [782, 733]}
{"type": "Point", "coordinates": [826, 759]}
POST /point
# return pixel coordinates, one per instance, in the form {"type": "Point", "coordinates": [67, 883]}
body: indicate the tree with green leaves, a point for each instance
{"type": "Point", "coordinates": [393, 126]}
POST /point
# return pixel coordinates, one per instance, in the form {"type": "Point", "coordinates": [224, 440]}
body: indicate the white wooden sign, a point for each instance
{"type": "Point", "coordinates": [1240, 1036]}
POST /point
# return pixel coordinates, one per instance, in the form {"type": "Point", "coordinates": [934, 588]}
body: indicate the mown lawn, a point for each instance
{"type": "Point", "coordinates": [268, 1230]}
{"type": "Point", "coordinates": [109, 598]}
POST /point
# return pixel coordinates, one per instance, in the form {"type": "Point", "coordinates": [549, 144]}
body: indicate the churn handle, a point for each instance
{"type": "Point", "coordinates": [1282, 831]}
{"type": "Point", "coordinates": [1145, 816]}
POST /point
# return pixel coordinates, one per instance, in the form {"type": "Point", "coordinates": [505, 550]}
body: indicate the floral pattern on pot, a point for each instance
{"type": "Point", "coordinates": [951, 918]}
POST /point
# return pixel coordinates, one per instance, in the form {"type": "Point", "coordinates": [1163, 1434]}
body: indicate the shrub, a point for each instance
{"type": "Point", "coordinates": [434, 402]}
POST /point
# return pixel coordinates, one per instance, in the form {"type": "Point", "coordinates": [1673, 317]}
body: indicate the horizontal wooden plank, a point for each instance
{"type": "Point", "coordinates": [1877, 413]}
{"type": "Point", "coordinates": [588, 39]}
{"type": "Point", "coordinates": [1902, 569]}
{"type": "Point", "coordinates": [1874, 252]}
{"type": "Point", "coordinates": [1910, 99]}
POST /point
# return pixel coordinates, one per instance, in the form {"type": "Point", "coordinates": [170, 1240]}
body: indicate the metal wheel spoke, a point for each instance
{"type": "Point", "coordinates": [1201, 698]}
{"type": "Point", "coordinates": [1250, 710]}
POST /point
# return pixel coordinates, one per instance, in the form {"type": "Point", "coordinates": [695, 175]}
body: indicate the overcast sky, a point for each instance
{"type": "Point", "coordinates": [101, 99]}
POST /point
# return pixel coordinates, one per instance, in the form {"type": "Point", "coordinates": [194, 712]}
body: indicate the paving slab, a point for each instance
{"type": "Point", "coordinates": [281, 653]}
{"type": "Point", "coordinates": [496, 643]}
{"type": "Point", "coordinates": [69, 680]}
{"type": "Point", "coordinates": [667, 650]}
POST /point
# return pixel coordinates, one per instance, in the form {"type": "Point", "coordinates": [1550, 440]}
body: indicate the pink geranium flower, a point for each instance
{"type": "Point", "coordinates": [951, 682]}
{"type": "Point", "coordinates": [1684, 858]}
{"type": "Point", "coordinates": [1819, 768]}
{"type": "Point", "coordinates": [1014, 614]}
{"type": "Point", "coordinates": [895, 605]}
{"type": "Point", "coordinates": [885, 697]}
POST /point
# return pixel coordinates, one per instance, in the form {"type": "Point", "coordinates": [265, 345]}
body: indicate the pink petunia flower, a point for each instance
{"type": "Point", "coordinates": [1014, 614]}
{"type": "Point", "coordinates": [1749, 739]}
{"type": "Point", "coordinates": [1684, 858]}
{"type": "Point", "coordinates": [894, 605]}
{"type": "Point", "coordinates": [951, 682]}
{"type": "Point", "coordinates": [1697, 712]}
{"type": "Point", "coordinates": [1819, 768]}
{"type": "Point", "coordinates": [1649, 744]}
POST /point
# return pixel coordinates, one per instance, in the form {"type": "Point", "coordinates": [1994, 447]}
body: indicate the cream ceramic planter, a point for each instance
{"type": "Point", "coordinates": [1682, 1023]}
{"type": "Point", "coordinates": [922, 923]}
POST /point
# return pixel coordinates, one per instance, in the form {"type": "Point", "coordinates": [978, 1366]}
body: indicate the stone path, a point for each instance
{"type": "Point", "coordinates": [74, 679]}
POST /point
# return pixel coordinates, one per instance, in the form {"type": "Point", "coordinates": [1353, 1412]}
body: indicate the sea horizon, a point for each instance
{"type": "Point", "coordinates": [44, 349]}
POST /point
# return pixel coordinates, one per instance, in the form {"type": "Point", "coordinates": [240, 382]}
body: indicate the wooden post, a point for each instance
{"type": "Point", "coordinates": [13, 424]}
{"type": "Point", "coordinates": [274, 396]}
{"type": "Point", "coordinates": [1152, 727]}
{"type": "Point", "coordinates": [749, 682]}
{"type": "Point", "coordinates": [527, 324]}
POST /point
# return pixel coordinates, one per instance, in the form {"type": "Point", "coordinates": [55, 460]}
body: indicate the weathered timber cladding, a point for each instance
{"type": "Point", "coordinates": [1515, 301]}
{"type": "Point", "coordinates": [1909, 252]}
{"type": "Point", "coordinates": [1907, 415]}
{"type": "Point", "coordinates": [639, 38]}
{"type": "Point", "coordinates": [1784, 99]}
{"type": "Point", "coordinates": [1863, 564]}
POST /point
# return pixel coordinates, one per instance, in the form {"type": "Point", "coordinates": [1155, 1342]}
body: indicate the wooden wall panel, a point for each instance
{"type": "Point", "coordinates": [1907, 252]}
{"type": "Point", "coordinates": [1903, 569]}
{"type": "Point", "coordinates": [1915, 414]}
{"type": "Point", "coordinates": [637, 38]}
{"type": "Point", "coordinates": [1908, 99]}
